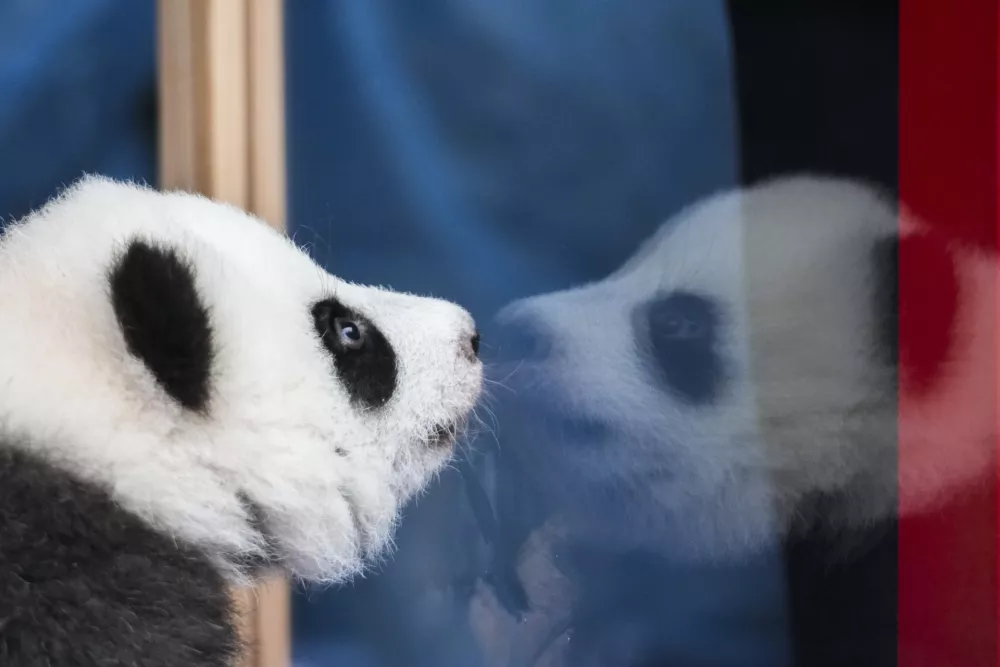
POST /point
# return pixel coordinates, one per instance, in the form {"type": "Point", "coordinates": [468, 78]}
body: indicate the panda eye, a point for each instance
{"type": "Point", "coordinates": [679, 327]}
{"type": "Point", "coordinates": [363, 360]}
{"type": "Point", "coordinates": [681, 318]}
{"type": "Point", "coordinates": [350, 333]}
{"type": "Point", "coordinates": [679, 333]}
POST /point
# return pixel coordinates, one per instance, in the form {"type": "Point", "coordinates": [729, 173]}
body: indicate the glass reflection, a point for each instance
{"type": "Point", "coordinates": [708, 437]}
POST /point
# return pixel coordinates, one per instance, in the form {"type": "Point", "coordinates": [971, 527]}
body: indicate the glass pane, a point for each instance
{"type": "Point", "coordinates": [552, 166]}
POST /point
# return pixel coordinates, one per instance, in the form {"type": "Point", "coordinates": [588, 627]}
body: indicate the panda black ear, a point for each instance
{"type": "Point", "coordinates": [916, 296]}
{"type": "Point", "coordinates": [164, 321]}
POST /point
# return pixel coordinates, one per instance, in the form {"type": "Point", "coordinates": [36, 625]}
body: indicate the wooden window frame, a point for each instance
{"type": "Point", "coordinates": [222, 134]}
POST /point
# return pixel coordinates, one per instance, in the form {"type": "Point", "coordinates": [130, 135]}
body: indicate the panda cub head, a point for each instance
{"type": "Point", "coordinates": [218, 384]}
{"type": "Point", "coordinates": [741, 376]}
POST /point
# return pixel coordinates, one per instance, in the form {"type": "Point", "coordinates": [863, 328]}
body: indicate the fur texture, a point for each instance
{"type": "Point", "coordinates": [85, 582]}
{"type": "Point", "coordinates": [191, 370]}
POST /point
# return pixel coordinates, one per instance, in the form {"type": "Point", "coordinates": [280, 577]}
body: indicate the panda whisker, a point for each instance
{"type": "Point", "coordinates": [494, 428]}
{"type": "Point", "coordinates": [452, 466]}
{"type": "Point", "coordinates": [499, 384]}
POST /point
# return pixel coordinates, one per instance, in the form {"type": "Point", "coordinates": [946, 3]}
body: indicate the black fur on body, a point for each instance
{"type": "Point", "coordinates": [86, 583]}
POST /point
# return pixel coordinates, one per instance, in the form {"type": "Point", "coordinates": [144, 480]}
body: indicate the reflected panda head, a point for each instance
{"type": "Point", "coordinates": [205, 372]}
{"type": "Point", "coordinates": [745, 362]}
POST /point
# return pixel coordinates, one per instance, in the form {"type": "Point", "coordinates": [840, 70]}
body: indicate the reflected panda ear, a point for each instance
{"type": "Point", "coordinates": [163, 320]}
{"type": "Point", "coordinates": [916, 295]}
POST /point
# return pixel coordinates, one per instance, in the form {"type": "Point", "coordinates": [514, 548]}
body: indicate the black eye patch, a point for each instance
{"type": "Point", "coordinates": [678, 332]}
{"type": "Point", "coordinates": [364, 360]}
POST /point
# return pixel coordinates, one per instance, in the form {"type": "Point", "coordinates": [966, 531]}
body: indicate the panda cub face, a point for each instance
{"type": "Point", "coordinates": [205, 372]}
{"type": "Point", "coordinates": [743, 364]}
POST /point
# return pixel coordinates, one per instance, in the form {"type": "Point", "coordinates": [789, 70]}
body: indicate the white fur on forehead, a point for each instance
{"type": "Point", "coordinates": [807, 407]}
{"type": "Point", "coordinates": [280, 428]}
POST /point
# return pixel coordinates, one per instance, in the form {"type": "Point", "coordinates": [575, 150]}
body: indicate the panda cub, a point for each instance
{"type": "Point", "coordinates": [186, 399]}
{"type": "Point", "coordinates": [738, 385]}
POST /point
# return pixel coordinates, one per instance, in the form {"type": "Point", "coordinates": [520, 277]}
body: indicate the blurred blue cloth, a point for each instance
{"type": "Point", "coordinates": [485, 150]}
{"type": "Point", "coordinates": [77, 94]}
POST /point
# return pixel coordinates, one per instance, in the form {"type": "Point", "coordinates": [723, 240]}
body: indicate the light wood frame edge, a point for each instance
{"type": "Point", "coordinates": [222, 133]}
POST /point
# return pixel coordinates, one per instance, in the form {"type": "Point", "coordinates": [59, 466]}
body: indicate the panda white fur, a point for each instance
{"type": "Point", "coordinates": [736, 384]}
{"type": "Point", "coordinates": [186, 398]}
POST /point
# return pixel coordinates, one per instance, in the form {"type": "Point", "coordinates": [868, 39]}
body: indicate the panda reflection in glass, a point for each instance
{"type": "Point", "coordinates": [736, 389]}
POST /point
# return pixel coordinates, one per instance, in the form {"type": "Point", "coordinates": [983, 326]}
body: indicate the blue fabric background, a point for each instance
{"type": "Point", "coordinates": [77, 93]}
